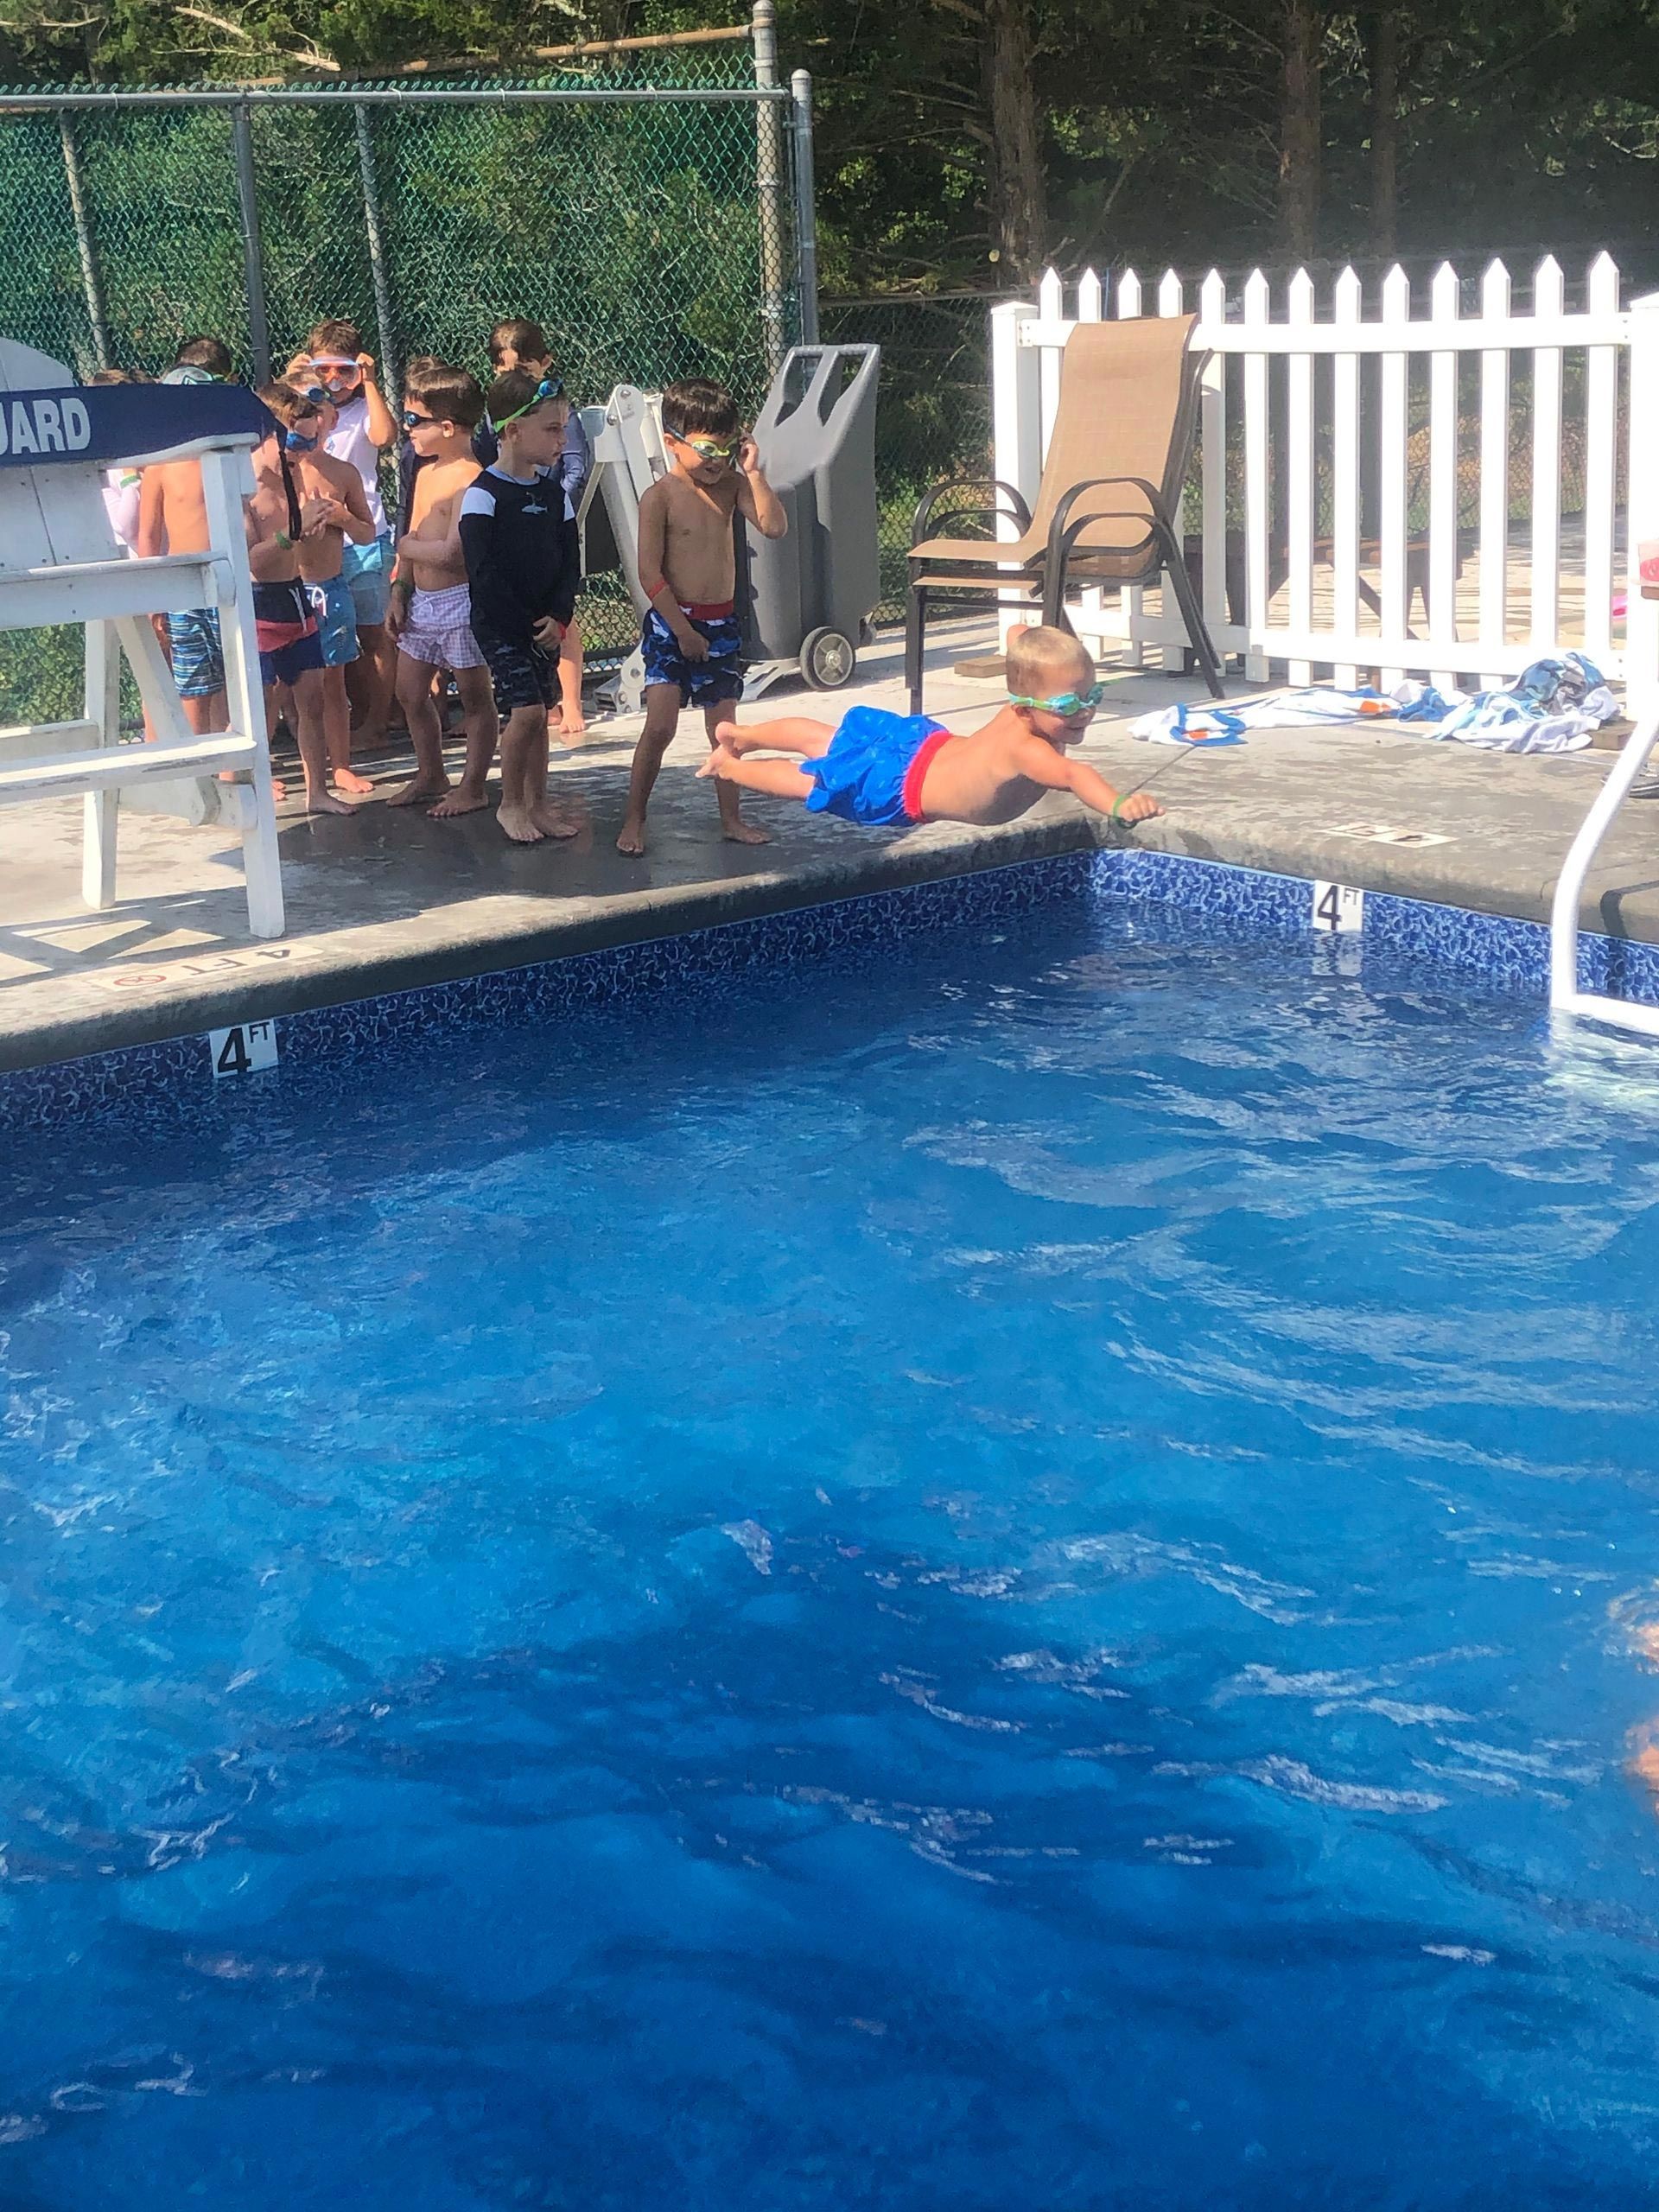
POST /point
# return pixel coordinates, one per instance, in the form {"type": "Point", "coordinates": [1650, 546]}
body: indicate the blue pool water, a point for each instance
{"type": "Point", "coordinates": [1012, 1581]}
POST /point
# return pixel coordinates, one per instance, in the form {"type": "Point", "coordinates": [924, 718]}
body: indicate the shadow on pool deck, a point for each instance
{"type": "Point", "coordinates": [386, 898]}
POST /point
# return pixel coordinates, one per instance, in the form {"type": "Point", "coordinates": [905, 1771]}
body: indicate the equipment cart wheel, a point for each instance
{"type": "Point", "coordinates": [828, 660]}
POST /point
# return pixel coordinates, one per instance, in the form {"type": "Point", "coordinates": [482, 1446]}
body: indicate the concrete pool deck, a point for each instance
{"type": "Point", "coordinates": [386, 900]}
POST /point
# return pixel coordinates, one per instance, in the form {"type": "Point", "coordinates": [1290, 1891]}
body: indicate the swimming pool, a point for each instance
{"type": "Point", "coordinates": [1011, 1579]}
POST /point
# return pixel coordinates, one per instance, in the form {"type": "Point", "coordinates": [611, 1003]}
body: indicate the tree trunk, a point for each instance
{"type": "Point", "coordinates": [1385, 130]}
{"type": "Point", "coordinates": [1019, 186]}
{"type": "Point", "coordinates": [1301, 130]}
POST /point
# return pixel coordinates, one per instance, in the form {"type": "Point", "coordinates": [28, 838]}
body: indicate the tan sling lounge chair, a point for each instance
{"type": "Point", "coordinates": [1108, 509]}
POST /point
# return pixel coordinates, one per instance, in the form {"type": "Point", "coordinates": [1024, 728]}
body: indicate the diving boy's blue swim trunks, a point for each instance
{"type": "Point", "coordinates": [702, 682]}
{"type": "Point", "coordinates": [874, 771]}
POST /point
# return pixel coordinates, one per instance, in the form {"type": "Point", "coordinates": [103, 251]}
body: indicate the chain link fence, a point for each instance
{"type": "Point", "coordinates": [934, 419]}
{"type": "Point", "coordinates": [648, 227]}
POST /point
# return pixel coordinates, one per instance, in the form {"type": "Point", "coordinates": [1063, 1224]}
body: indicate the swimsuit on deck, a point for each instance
{"type": "Point", "coordinates": [336, 612]}
{"type": "Point", "coordinates": [438, 628]}
{"type": "Point", "coordinates": [198, 652]}
{"type": "Point", "coordinates": [701, 683]}
{"type": "Point", "coordinates": [874, 771]}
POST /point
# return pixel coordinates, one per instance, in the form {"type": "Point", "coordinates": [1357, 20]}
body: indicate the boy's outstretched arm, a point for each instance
{"type": "Point", "coordinates": [756, 501]}
{"type": "Point", "coordinates": [1041, 763]}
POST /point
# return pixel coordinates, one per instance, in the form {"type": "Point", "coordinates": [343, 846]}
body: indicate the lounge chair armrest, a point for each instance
{"type": "Point", "coordinates": [1062, 533]}
{"type": "Point", "coordinates": [927, 510]}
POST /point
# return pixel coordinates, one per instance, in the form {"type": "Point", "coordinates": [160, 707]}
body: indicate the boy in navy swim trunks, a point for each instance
{"type": "Point", "coordinates": [333, 513]}
{"type": "Point", "coordinates": [290, 652]}
{"type": "Point", "coordinates": [522, 590]}
{"type": "Point", "coordinates": [886, 770]}
{"type": "Point", "coordinates": [688, 571]}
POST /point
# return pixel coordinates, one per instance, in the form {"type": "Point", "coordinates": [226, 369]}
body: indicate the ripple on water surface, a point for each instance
{"type": "Point", "coordinates": [1025, 1579]}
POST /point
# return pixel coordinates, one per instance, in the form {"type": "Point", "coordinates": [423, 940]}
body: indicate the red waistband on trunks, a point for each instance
{"type": "Point", "coordinates": [275, 637]}
{"type": "Point", "coordinates": [709, 610]}
{"type": "Point", "coordinates": [910, 794]}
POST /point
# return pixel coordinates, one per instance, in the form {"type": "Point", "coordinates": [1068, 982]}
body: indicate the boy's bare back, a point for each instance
{"type": "Point", "coordinates": [994, 775]}
{"type": "Point", "coordinates": [172, 512]}
{"type": "Point", "coordinates": [685, 538]}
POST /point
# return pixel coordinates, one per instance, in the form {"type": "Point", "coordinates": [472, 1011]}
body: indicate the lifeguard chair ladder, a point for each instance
{"type": "Point", "coordinates": [60, 563]}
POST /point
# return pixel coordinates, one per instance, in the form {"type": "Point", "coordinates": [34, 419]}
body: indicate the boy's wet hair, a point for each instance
{"type": "Point", "coordinates": [527, 338]}
{"type": "Point", "coordinates": [210, 353]}
{"type": "Point", "coordinates": [117, 376]}
{"type": "Point", "coordinates": [1036, 655]}
{"type": "Point", "coordinates": [697, 407]}
{"type": "Point", "coordinates": [449, 394]}
{"type": "Point", "coordinates": [510, 392]}
{"type": "Point", "coordinates": [336, 336]}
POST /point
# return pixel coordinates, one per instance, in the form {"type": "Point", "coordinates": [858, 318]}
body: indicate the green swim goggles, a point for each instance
{"type": "Point", "coordinates": [705, 448]}
{"type": "Point", "coordinates": [548, 388]}
{"type": "Point", "coordinates": [1064, 704]}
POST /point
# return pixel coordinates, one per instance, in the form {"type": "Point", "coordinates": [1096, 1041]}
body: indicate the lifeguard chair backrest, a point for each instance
{"type": "Point", "coordinates": [48, 516]}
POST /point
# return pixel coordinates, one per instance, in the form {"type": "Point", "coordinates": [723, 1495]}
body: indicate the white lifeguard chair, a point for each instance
{"type": "Point", "coordinates": [60, 563]}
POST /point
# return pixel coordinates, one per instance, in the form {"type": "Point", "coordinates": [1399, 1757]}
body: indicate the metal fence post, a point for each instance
{"type": "Point", "coordinates": [91, 277]}
{"type": "Point", "coordinates": [806, 213]}
{"type": "Point", "coordinates": [252, 251]}
{"type": "Point", "coordinates": [377, 246]}
{"type": "Point", "coordinates": [769, 180]}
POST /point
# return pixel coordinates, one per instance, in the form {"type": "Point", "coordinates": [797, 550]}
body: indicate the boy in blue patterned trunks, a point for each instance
{"type": "Point", "coordinates": [888, 771]}
{"type": "Point", "coordinates": [688, 571]}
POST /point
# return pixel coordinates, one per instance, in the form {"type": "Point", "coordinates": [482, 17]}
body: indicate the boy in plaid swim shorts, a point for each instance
{"type": "Point", "coordinates": [432, 602]}
{"type": "Point", "coordinates": [688, 571]}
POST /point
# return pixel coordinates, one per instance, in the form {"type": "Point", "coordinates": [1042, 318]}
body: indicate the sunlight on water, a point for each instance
{"type": "Point", "coordinates": [1023, 1580]}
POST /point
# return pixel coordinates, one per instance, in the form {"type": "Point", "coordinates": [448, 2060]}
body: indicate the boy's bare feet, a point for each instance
{"type": "Point", "coordinates": [325, 803]}
{"type": "Point", "coordinates": [347, 779]}
{"type": "Point", "coordinates": [739, 832]}
{"type": "Point", "coordinates": [459, 801]}
{"type": "Point", "coordinates": [573, 729]}
{"type": "Point", "coordinates": [553, 821]}
{"type": "Point", "coordinates": [632, 838]}
{"type": "Point", "coordinates": [419, 790]}
{"type": "Point", "coordinates": [519, 824]}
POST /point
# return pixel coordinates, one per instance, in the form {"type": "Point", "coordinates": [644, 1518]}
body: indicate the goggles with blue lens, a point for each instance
{"type": "Point", "coordinates": [1064, 704]}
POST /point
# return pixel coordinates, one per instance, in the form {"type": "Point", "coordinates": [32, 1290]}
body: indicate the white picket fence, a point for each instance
{"type": "Point", "coordinates": [1338, 502]}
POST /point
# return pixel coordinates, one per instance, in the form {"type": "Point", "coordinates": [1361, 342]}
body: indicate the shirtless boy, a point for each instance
{"type": "Point", "coordinates": [886, 770]}
{"type": "Point", "coordinates": [431, 603]}
{"type": "Point", "coordinates": [688, 571]}
{"type": "Point", "coordinates": [333, 512]}
{"type": "Point", "coordinates": [333, 358]}
{"type": "Point", "coordinates": [172, 519]}
{"type": "Point", "coordinates": [290, 652]}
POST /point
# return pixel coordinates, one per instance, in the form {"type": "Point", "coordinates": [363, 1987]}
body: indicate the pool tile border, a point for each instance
{"type": "Point", "coordinates": [176, 1073]}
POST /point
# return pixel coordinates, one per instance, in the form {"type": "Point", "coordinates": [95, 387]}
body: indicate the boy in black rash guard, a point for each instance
{"type": "Point", "coordinates": [524, 591]}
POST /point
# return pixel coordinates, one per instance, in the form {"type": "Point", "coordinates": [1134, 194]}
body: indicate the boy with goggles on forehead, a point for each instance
{"type": "Point", "coordinates": [334, 363]}
{"type": "Point", "coordinates": [523, 591]}
{"type": "Point", "coordinates": [688, 571]}
{"type": "Point", "coordinates": [888, 771]}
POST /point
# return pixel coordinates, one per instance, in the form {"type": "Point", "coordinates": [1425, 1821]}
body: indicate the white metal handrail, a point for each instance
{"type": "Point", "coordinates": [1565, 996]}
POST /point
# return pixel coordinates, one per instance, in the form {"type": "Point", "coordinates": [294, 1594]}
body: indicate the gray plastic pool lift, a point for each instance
{"type": "Point", "coordinates": [805, 599]}
{"type": "Point", "coordinates": [60, 563]}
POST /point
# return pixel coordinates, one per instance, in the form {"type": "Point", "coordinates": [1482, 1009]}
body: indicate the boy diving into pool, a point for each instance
{"type": "Point", "coordinates": [885, 769]}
